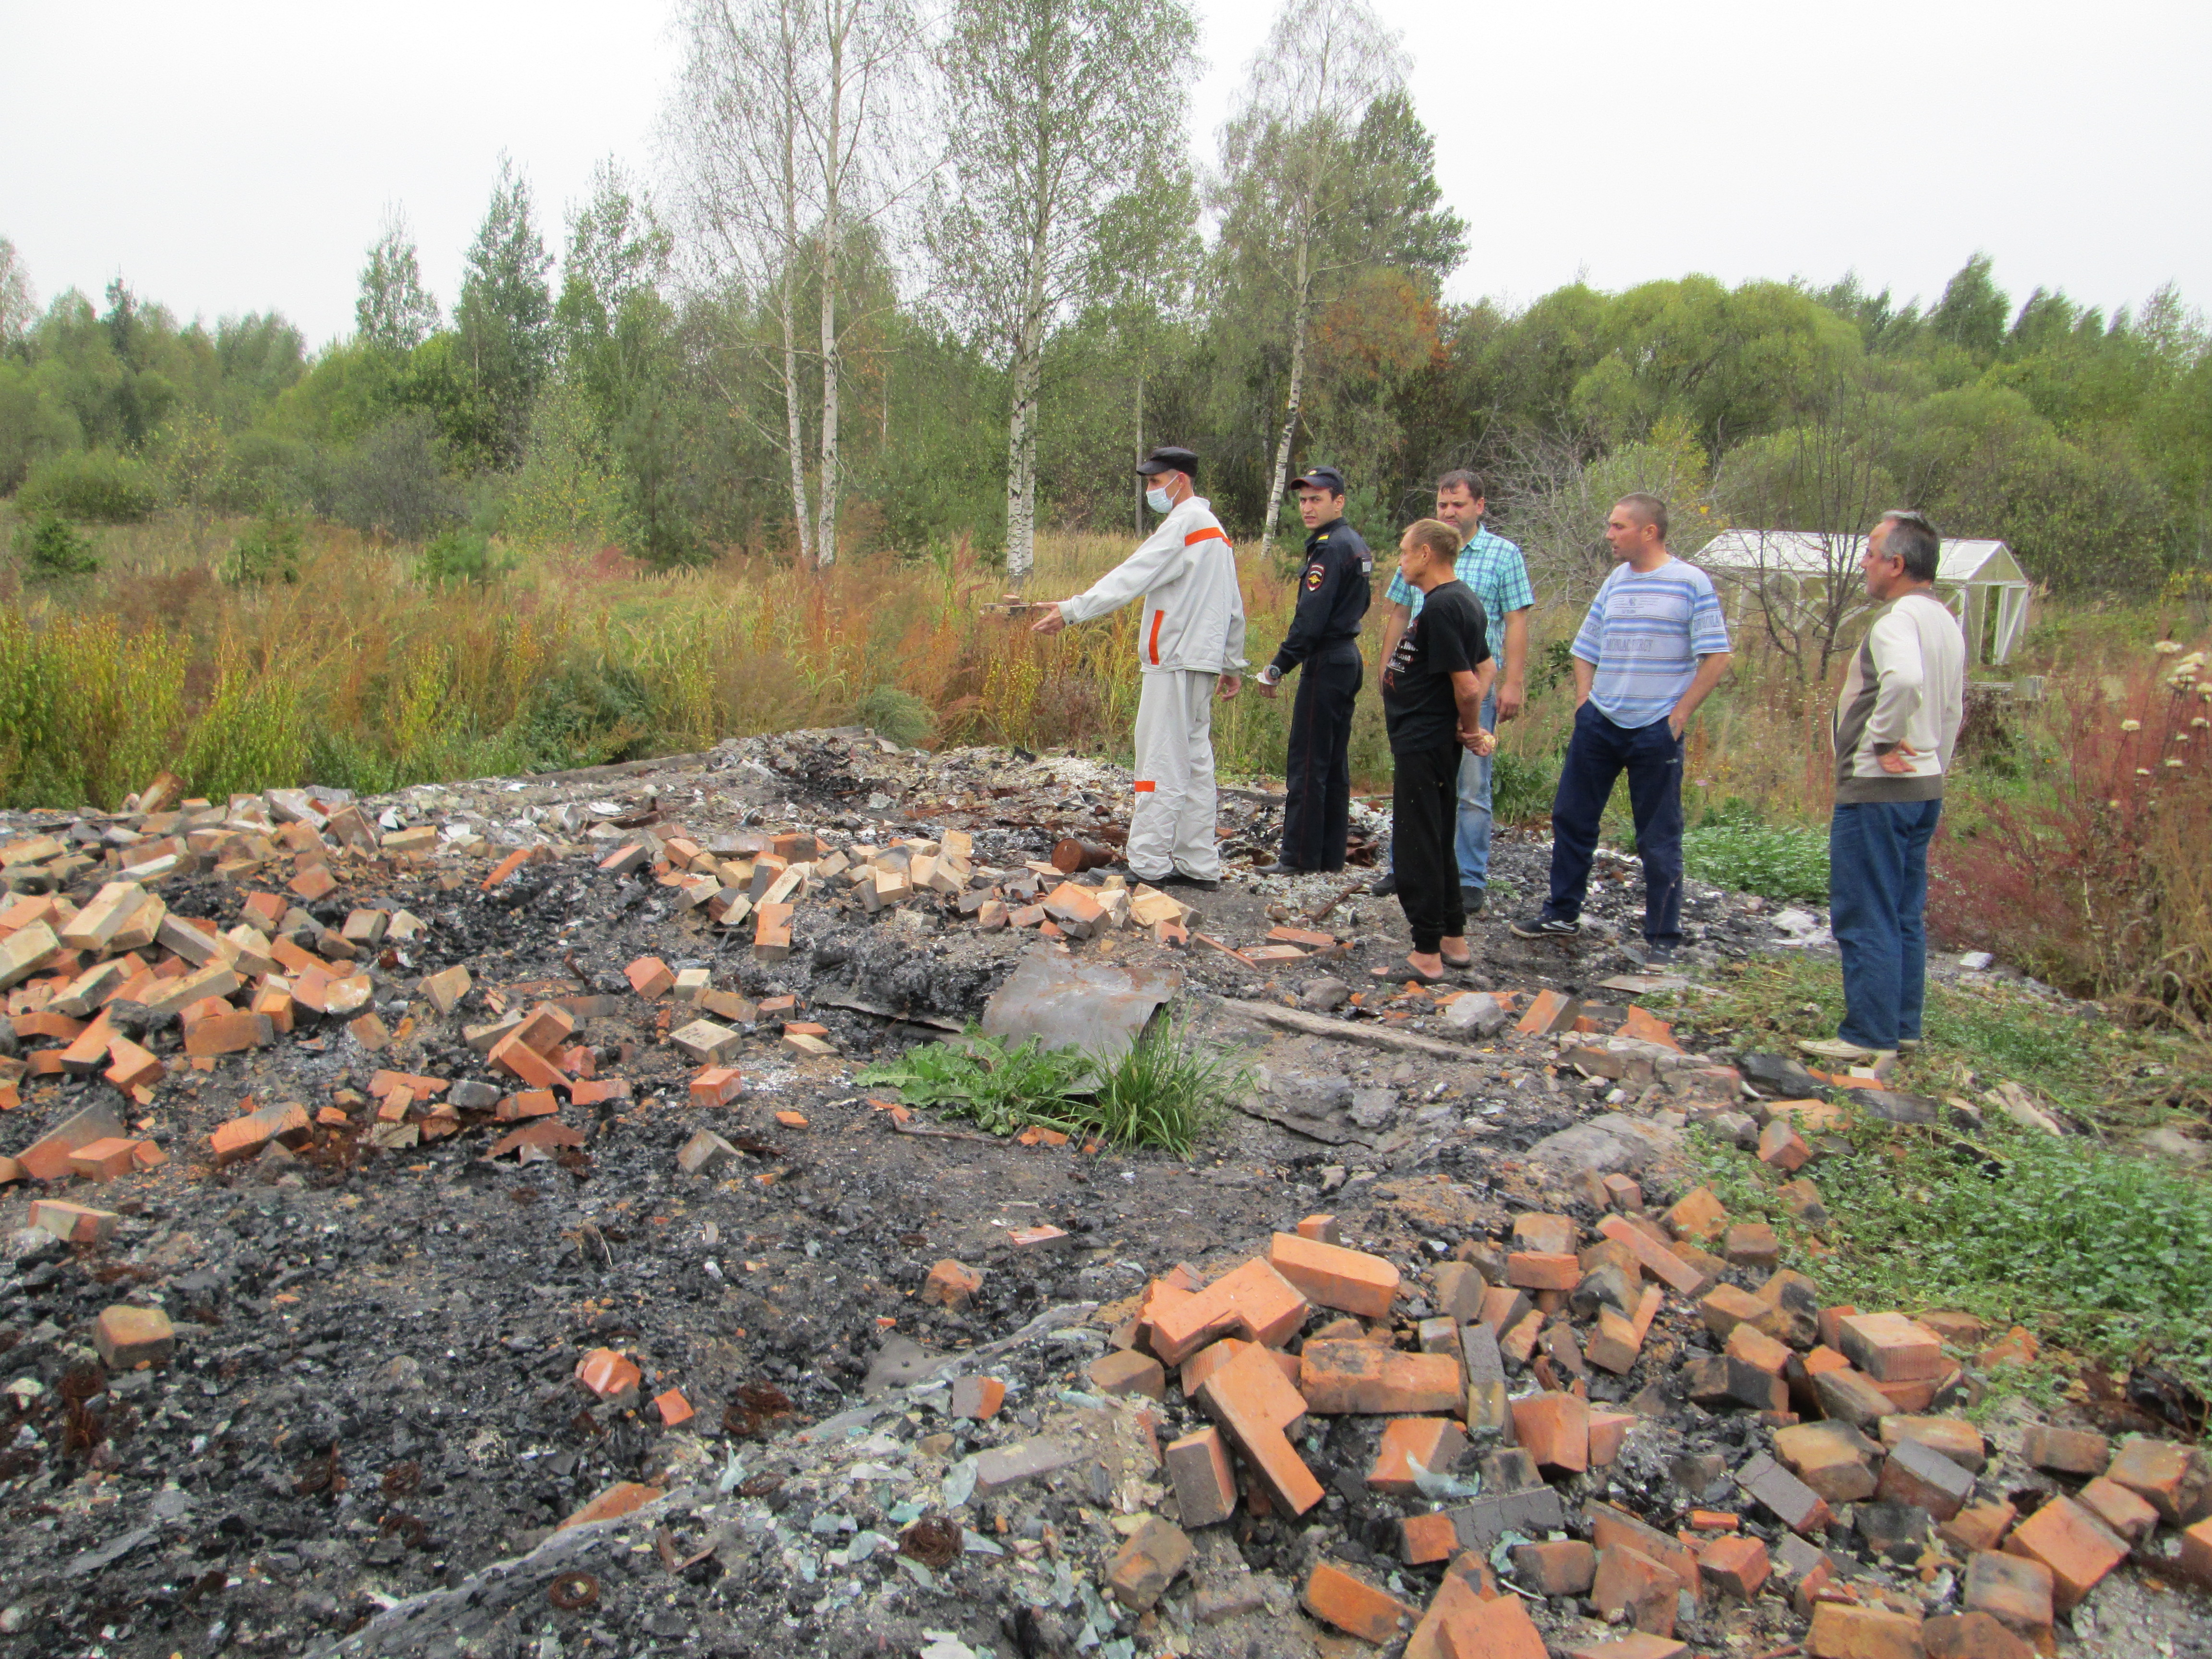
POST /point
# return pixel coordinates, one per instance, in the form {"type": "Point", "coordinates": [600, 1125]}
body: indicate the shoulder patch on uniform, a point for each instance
{"type": "Point", "coordinates": [1313, 575]}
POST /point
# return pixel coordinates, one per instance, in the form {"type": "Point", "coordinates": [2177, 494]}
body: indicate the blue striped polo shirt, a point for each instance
{"type": "Point", "coordinates": [1644, 635]}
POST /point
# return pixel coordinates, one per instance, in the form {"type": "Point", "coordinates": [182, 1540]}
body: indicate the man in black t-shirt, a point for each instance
{"type": "Point", "coordinates": [1432, 690]}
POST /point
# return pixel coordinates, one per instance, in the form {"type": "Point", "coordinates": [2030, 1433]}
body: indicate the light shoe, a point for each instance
{"type": "Point", "coordinates": [1849, 1053]}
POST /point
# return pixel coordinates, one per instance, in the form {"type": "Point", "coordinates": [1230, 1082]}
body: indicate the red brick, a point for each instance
{"type": "Point", "coordinates": [1834, 1458]}
{"type": "Point", "coordinates": [1341, 1378]}
{"type": "Point", "coordinates": [1246, 1398]}
{"type": "Point", "coordinates": [1841, 1631]}
{"type": "Point", "coordinates": [104, 1160]}
{"type": "Point", "coordinates": [1662, 1263]}
{"type": "Point", "coordinates": [2196, 1560]}
{"type": "Point", "coordinates": [1752, 1244]}
{"type": "Point", "coordinates": [2066, 1451]}
{"type": "Point", "coordinates": [1496, 1629]}
{"type": "Point", "coordinates": [312, 881]}
{"type": "Point", "coordinates": [1972, 1636]}
{"type": "Point", "coordinates": [1425, 1537]}
{"type": "Point", "coordinates": [1204, 1485]}
{"type": "Point", "coordinates": [1956, 1438]}
{"type": "Point", "coordinates": [73, 1223]}
{"type": "Point", "coordinates": [1536, 1270]}
{"type": "Point", "coordinates": [1321, 1229]}
{"type": "Point", "coordinates": [2012, 1589]}
{"type": "Point", "coordinates": [717, 1085]}
{"type": "Point", "coordinates": [129, 1337]}
{"type": "Point", "coordinates": [607, 1373]}
{"type": "Point", "coordinates": [977, 1399]}
{"type": "Point", "coordinates": [1143, 1567]}
{"type": "Point", "coordinates": [1608, 1431]}
{"type": "Point", "coordinates": [1977, 1526]}
{"type": "Point", "coordinates": [229, 1033]}
{"type": "Point", "coordinates": [1891, 1348]}
{"type": "Point", "coordinates": [1124, 1372]}
{"type": "Point", "coordinates": [1631, 1583]}
{"type": "Point", "coordinates": [951, 1284]}
{"type": "Point", "coordinates": [1565, 1568]}
{"type": "Point", "coordinates": [673, 1407]}
{"type": "Point", "coordinates": [1553, 1429]}
{"type": "Point", "coordinates": [1435, 1442]}
{"type": "Point", "coordinates": [1782, 1148]}
{"type": "Point", "coordinates": [1334, 1277]}
{"type": "Point", "coordinates": [1354, 1605]}
{"type": "Point", "coordinates": [1699, 1215]}
{"type": "Point", "coordinates": [520, 1061]}
{"type": "Point", "coordinates": [1548, 1011]}
{"type": "Point", "coordinates": [2077, 1548]}
{"type": "Point", "coordinates": [2175, 1480]}
{"type": "Point", "coordinates": [1737, 1566]}
{"type": "Point", "coordinates": [1918, 1474]}
{"type": "Point", "coordinates": [1755, 1347]}
{"type": "Point", "coordinates": [546, 1028]}
{"type": "Point", "coordinates": [241, 1137]}
{"type": "Point", "coordinates": [649, 977]}
{"type": "Point", "coordinates": [1254, 1301]}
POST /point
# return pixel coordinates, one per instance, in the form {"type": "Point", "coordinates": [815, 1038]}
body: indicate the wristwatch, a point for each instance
{"type": "Point", "coordinates": [1271, 675]}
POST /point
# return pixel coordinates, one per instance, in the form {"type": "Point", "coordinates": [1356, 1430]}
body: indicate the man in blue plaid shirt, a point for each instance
{"type": "Point", "coordinates": [1494, 568]}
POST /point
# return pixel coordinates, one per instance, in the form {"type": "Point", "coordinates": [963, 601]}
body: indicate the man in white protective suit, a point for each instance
{"type": "Point", "coordinates": [1190, 645]}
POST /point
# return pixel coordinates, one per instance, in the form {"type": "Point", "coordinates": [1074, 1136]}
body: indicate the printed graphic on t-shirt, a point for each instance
{"type": "Point", "coordinates": [1402, 657]}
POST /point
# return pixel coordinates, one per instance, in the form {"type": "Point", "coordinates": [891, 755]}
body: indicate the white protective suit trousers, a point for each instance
{"type": "Point", "coordinates": [1171, 826]}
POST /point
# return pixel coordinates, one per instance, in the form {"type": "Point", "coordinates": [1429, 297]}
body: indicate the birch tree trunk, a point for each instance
{"type": "Point", "coordinates": [838, 20]}
{"type": "Point", "coordinates": [1021, 440]}
{"type": "Point", "coordinates": [1282, 469]}
{"type": "Point", "coordinates": [794, 435]}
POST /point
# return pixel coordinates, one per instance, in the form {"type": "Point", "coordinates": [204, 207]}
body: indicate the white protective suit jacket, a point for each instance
{"type": "Point", "coordinates": [1193, 615]}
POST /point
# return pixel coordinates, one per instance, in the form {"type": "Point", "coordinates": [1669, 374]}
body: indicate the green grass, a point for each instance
{"type": "Point", "coordinates": [1976, 1035]}
{"type": "Point", "coordinates": [1163, 1092]}
{"type": "Point", "coordinates": [1774, 863]}
{"type": "Point", "coordinates": [2107, 1256]}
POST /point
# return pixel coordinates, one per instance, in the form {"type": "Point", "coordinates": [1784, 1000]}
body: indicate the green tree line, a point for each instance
{"type": "Point", "coordinates": [824, 330]}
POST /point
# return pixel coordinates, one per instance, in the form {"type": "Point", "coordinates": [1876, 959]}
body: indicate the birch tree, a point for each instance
{"type": "Point", "coordinates": [792, 119]}
{"type": "Point", "coordinates": [1059, 111]}
{"type": "Point", "coordinates": [1296, 182]}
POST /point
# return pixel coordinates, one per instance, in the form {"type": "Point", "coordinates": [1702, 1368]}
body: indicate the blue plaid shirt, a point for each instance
{"type": "Point", "coordinates": [1494, 568]}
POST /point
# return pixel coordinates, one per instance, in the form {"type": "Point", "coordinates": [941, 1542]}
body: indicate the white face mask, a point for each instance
{"type": "Point", "coordinates": [1157, 499]}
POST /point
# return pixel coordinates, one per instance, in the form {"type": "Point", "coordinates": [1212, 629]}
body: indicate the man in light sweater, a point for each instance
{"type": "Point", "coordinates": [1190, 644]}
{"type": "Point", "coordinates": [1896, 721]}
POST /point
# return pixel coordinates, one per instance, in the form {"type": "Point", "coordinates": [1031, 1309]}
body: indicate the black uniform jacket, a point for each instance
{"type": "Point", "coordinates": [1333, 593]}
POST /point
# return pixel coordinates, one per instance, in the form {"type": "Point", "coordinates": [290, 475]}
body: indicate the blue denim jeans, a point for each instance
{"type": "Point", "coordinates": [1877, 905]}
{"type": "Point", "coordinates": [1471, 841]}
{"type": "Point", "coordinates": [1597, 754]}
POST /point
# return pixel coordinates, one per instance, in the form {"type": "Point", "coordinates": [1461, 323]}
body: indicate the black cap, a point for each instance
{"type": "Point", "coordinates": [1168, 457]}
{"type": "Point", "coordinates": [1320, 478]}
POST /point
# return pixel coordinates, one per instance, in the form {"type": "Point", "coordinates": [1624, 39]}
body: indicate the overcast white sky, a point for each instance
{"type": "Point", "coordinates": [237, 156]}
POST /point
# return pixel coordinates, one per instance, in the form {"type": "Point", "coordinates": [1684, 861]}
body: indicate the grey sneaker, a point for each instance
{"type": "Point", "coordinates": [1544, 927]}
{"type": "Point", "coordinates": [1644, 954]}
{"type": "Point", "coordinates": [1471, 899]}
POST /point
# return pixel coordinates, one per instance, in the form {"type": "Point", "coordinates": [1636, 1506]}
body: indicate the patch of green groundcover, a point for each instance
{"type": "Point", "coordinates": [1163, 1092]}
{"type": "Point", "coordinates": [2108, 1255]}
{"type": "Point", "coordinates": [1775, 863]}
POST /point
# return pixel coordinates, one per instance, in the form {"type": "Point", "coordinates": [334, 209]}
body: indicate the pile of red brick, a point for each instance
{"type": "Point", "coordinates": [1849, 1398]}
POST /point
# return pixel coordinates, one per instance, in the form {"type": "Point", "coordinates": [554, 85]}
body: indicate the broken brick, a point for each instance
{"type": "Point", "coordinates": [1352, 1605]}
{"type": "Point", "coordinates": [1533, 1270]}
{"type": "Point", "coordinates": [1918, 1474]}
{"type": "Point", "coordinates": [607, 1373]}
{"type": "Point", "coordinates": [2066, 1451]}
{"type": "Point", "coordinates": [1342, 1378]}
{"type": "Point", "coordinates": [1334, 1277]}
{"type": "Point", "coordinates": [1124, 1371]}
{"type": "Point", "coordinates": [2015, 1591]}
{"type": "Point", "coordinates": [649, 977]}
{"type": "Point", "coordinates": [1143, 1568]}
{"type": "Point", "coordinates": [977, 1399]}
{"type": "Point", "coordinates": [951, 1284]}
{"type": "Point", "coordinates": [1784, 1496]}
{"type": "Point", "coordinates": [717, 1085]}
{"type": "Point", "coordinates": [2176, 1481]}
{"type": "Point", "coordinates": [623, 1498]}
{"type": "Point", "coordinates": [1253, 1301]}
{"type": "Point", "coordinates": [1548, 1011]}
{"type": "Point", "coordinates": [1553, 1429]}
{"type": "Point", "coordinates": [1204, 1485]}
{"type": "Point", "coordinates": [1631, 1587]}
{"type": "Point", "coordinates": [1425, 1537]}
{"type": "Point", "coordinates": [1736, 1564]}
{"type": "Point", "coordinates": [129, 1337]}
{"type": "Point", "coordinates": [1843, 1630]}
{"type": "Point", "coordinates": [1892, 1348]}
{"type": "Point", "coordinates": [104, 1160]}
{"type": "Point", "coordinates": [2070, 1540]}
{"type": "Point", "coordinates": [673, 1407]}
{"type": "Point", "coordinates": [1434, 1442]}
{"type": "Point", "coordinates": [1698, 1216]}
{"type": "Point", "coordinates": [73, 1223]}
{"type": "Point", "coordinates": [1565, 1568]}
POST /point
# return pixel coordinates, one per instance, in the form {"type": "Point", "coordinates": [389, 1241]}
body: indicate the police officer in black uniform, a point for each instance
{"type": "Point", "coordinates": [1332, 590]}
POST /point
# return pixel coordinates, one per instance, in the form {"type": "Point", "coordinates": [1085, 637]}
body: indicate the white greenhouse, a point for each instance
{"type": "Point", "coordinates": [1979, 579]}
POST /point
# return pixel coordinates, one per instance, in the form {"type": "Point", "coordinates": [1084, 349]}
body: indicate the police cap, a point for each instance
{"type": "Point", "coordinates": [1168, 457]}
{"type": "Point", "coordinates": [1320, 478]}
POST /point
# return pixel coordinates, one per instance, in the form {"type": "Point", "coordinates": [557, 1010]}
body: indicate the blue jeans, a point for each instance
{"type": "Point", "coordinates": [1471, 841]}
{"type": "Point", "coordinates": [1598, 753]}
{"type": "Point", "coordinates": [1877, 905]}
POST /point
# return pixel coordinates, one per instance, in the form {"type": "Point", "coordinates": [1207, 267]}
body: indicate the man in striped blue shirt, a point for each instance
{"type": "Point", "coordinates": [1652, 647]}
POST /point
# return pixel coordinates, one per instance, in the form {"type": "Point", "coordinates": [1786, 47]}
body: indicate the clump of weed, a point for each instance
{"type": "Point", "coordinates": [1162, 1092]}
{"type": "Point", "coordinates": [1775, 863]}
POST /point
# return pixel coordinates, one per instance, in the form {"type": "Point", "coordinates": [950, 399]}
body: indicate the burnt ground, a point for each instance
{"type": "Point", "coordinates": [372, 1412]}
